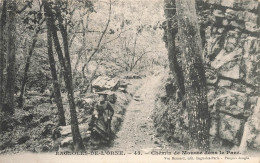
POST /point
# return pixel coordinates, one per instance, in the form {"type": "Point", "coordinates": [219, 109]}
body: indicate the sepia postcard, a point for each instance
{"type": "Point", "coordinates": [130, 81]}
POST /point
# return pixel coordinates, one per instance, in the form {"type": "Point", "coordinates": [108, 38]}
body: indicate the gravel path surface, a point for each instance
{"type": "Point", "coordinates": [137, 132]}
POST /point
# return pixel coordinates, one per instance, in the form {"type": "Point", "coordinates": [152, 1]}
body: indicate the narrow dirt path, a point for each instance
{"type": "Point", "coordinates": [137, 132]}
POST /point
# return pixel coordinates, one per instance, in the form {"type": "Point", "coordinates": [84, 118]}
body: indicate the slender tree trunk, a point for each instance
{"type": "Point", "coordinates": [56, 85]}
{"type": "Point", "coordinates": [2, 54]}
{"type": "Point", "coordinates": [11, 37]}
{"type": "Point", "coordinates": [65, 41]}
{"type": "Point", "coordinates": [176, 69]}
{"type": "Point", "coordinates": [26, 69]}
{"type": "Point", "coordinates": [77, 140]}
{"type": "Point", "coordinates": [194, 75]}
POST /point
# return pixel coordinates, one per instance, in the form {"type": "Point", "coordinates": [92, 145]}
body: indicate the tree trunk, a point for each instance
{"type": "Point", "coordinates": [56, 85]}
{"type": "Point", "coordinates": [2, 54]}
{"type": "Point", "coordinates": [11, 37]}
{"type": "Point", "coordinates": [26, 69]}
{"type": "Point", "coordinates": [77, 140]}
{"type": "Point", "coordinates": [172, 30]}
{"type": "Point", "coordinates": [65, 41]}
{"type": "Point", "coordinates": [194, 75]}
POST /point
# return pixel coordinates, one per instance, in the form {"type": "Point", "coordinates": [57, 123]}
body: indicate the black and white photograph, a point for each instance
{"type": "Point", "coordinates": [130, 81]}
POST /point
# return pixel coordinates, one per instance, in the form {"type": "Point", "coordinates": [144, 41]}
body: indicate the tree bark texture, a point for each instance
{"type": "Point", "coordinates": [77, 140]}
{"type": "Point", "coordinates": [172, 30]}
{"type": "Point", "coordinates": [26, 69]}
{"type": "Point", "coordinates": [56, 85]}
{"type": "Point", "coordinates": [194, 75]}
{"type": "Point", "coordinates": [2, 54]}
{"type": "Point", "coordinates": [11, 37]}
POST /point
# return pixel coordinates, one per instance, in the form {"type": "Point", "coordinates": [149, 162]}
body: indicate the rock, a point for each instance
{"type": "Point", "coordinates": [252, 27]}
{"type": "Point", "coordinates": [105, 83]}
{"type": "Point", "coordinates": [231, 14]}
{"type": "Point", "coordinates": [45, 119]}
{"type": "Point", "coordinates": [122, 89]}
{"type": "Point", "coordinates": [225, 22]}
{"type": "Point", "coordinates": [224, 58]}
{"type": "Point", "coordinates": [224, 83]}
{"type": "Point", "coordinates": [23, 139]}
{"type": "Point", "coordinates": [249, 69]}
{"type": "Point", "coordinates": [229, 3]}
{"type": "Point", "coordinates": [218, 13]}
{"type": "Point", "coordinates": [65, 142]}
{"type": "Point", "coordinates": [232, 102]}
{"type": "Point", "coordinates": [231, 72]}
{"type": "Point", "coordinates": [229, 127]}
{"type": "Point", "coordinates": [250, 17]}
{"type": "Point", "coordinates": [238, 24]}
{"type": "Point", "coordinates": [217, 2]}
{"type": "Point", "coordinates": [231, 42]}
{"type": "Point", "coordinates": [249, 4]}
{"type": "Point", "coordinates": [221, 30]}
{"type": "Point", "coordinates": [65, 130]}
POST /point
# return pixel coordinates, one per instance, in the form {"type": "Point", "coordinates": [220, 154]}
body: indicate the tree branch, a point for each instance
{"type": "Point", "coordinates": [99, 42]}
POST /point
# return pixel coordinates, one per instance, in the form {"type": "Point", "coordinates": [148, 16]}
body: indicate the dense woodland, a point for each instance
{"type": "Point", "coordinates": [51, 52]}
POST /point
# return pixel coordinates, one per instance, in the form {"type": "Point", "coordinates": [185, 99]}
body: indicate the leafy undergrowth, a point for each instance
{"type": "Point", "coordinates": [31, 128]}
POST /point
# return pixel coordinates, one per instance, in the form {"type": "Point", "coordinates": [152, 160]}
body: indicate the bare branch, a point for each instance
{"type": "Point", "coordinates": [99, 42]}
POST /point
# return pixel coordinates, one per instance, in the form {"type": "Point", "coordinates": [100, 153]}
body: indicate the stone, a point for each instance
{"type": "Point", "coordinates": [218, 13]}
{"type": "Point", "coordinates": [232, 14]}
{"type": "Point", "coordinates": [250, 17]}
{"type": "Point", "coordinates": [229, 127]}
{"type": "Point", "coordinates": [249, 4]}
{"type": "Point", "coordinates": [65, 130]}
{"type": "Point", "coordinates": [230, 44]}
{"type": "Point", "coordinates": [231, 72]}
{"type": "Point", "coordinates": [231, 102]}
{"type": "Point", "coordinates": [249, 69]}
{"type": "Point", "coordinates": [67, 141]}
{"type": "Point", "coordinates": [229, 3]}
{"type": "Point", "coordinates": [105, 83]}
{"type": "Point", "coordinates": [238, 24]}
{"type": "Point", "coordinates": [225, 22]}
{"type": "Point", "coordinates": [224, 83]}
{"type": "Point", "coordinates": [254, 120]}
{"type": "Point", "coordinates": [224, 58]}
{"type": "Point", "coordinates": [221, 30]}
{"type": "Point", "coordinates": [252, 27]}
{"type": "Point", "coordinates": [217, 2]}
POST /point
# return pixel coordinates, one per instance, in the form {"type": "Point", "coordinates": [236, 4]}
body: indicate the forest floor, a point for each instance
{"type": "Point", "coordinates": [137, 131]}
{"type": "Point", "coordinates": [32, 127]}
